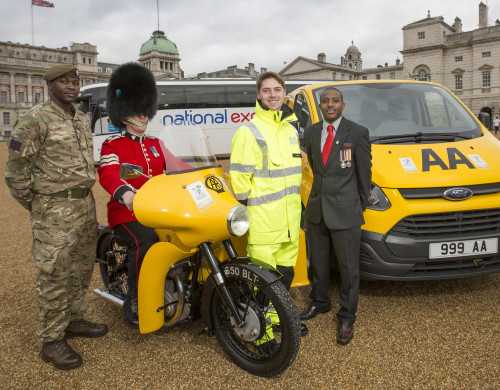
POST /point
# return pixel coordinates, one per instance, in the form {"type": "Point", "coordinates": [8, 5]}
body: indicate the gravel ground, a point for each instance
{"type": "Point", "coordinates": [413, 335]}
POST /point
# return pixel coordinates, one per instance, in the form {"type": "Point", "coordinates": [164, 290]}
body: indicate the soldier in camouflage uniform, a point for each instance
{"type": "Point", "coordinates": [50, 172]}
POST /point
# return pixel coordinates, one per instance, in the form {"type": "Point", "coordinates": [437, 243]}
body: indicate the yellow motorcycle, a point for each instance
{"type": "Point", "coordinates": [194, 270]}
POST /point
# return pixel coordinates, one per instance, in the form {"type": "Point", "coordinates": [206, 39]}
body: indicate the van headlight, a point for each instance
{"type": "Point", "coordinates": [377, 199]}
{"type": "Point", "coordinates": [238, 220]}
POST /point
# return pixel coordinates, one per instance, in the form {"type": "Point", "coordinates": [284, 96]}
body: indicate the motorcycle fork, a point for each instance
{"type": "Point", "coordinates": [219, 278]}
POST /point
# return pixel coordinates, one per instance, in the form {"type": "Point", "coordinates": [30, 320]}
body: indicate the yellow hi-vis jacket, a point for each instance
{"type": "Point", "coordinates": [266, 172]}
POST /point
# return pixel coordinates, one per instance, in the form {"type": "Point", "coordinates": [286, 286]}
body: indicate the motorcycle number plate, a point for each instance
{"type": "Point", "coordinates": [245, 273]}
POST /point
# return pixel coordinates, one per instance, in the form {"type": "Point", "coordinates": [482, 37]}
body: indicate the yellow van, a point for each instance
{"type": "Point", "coordinates": [434, 208]}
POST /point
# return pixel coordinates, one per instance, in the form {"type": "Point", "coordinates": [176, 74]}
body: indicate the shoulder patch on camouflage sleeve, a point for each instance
{"type": "Point", "coordinates": [15, 145]}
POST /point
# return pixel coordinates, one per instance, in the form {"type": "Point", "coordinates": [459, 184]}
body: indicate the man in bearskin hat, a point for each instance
{"type": "Point", "coordinates": [131, 103]}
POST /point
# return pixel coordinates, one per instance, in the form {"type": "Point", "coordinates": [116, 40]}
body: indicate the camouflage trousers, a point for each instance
{"type": "Point", "coordinates": [63, 251]}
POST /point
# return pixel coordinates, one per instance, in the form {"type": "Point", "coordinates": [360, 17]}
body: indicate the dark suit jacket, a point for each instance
{"type": "Point", "coordinates": [339, 195]}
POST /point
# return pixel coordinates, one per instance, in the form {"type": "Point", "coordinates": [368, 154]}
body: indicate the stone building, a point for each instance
{"type": "Point", "coordinates": [160, 55]}
{"type": "Point", "coordinates": [350, 68]}
{"type": "Point", "coordinates": [467, 63]}
{"type": "Point", "coordinates": [22, 67]}
{"type": "Point", "coordinates": [233, 72]}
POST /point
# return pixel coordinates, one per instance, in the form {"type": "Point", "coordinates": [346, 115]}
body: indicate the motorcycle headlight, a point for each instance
{"type": "Point", "coordinates": [238, 220]}
{"type": "Point", "coordinates": [377, 199]}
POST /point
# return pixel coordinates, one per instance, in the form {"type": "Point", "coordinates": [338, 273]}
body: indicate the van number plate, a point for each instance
{"type": "Point", "coordinates": [439, 250]}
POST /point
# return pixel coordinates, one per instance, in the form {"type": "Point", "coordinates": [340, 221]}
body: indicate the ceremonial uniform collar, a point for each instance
{"type": "Point", "coordinates": [133, 137]}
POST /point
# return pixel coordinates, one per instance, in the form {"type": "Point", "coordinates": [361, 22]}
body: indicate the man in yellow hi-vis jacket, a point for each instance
{"type": "Point", "coordinates": [266, 174]}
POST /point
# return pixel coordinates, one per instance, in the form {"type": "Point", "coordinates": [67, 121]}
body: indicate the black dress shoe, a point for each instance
{"type": "Point", "coordinates": [345, 333]}
{"type": "Point", "coordinates": [303, 329]}
{"type": "Point", "coordinates": [312, 311]}
{"type": "Point", "coordinates": [83, 328]}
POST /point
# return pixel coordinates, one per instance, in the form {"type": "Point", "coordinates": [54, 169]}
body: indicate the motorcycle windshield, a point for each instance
{"type": "Point", "coordinates": [185, 147]}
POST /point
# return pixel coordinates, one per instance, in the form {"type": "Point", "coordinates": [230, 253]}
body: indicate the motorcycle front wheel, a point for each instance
{"type": "Point", "coordinates": [269, 340]}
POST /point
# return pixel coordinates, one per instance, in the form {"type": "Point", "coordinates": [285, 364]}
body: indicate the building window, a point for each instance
{"type": "Point", "coordinates": [377, 77]}
{"type": "Point", "coordinates": [90, 61]}
{"type": "Point", "coordinates": [4, 97]}
{"type": "Point", "coordinates": [365, 78]}
{"type": "Point", "coordinates": [109, 70]}
{"type": "Point", "coordinates": [486, 79]}
{"type": "Point", "coordinates": [38, 97]}
{"type": "Point", "coordinates": [459, 59]}
{"type": "Point", "coordinates": [422, 75]}
{"type": "Point", "coordinates": [458, 82]}
{"type": "Point", "coordinates": [421, 35]}
{"type": "Point", "coordinates": [171, 66]}
{"type": "Point", "coordinates": [20, 79]}
{"type": "Point", "coordinates": [392, 75]}
{"type": "Point", "coordinates": [486, 54]}
{"type": "Point", "coordinates": [161, 64]}
{"type": "Point", "coordinates": [83, 59]}
{"type": "Point", "coordinates": [6, 118]}
{"type": "Point", "coordinates": [20, 96]}
{"type": "Point", "coordinates": [99, 70]}
{"type": "Point", "coordinates": [36, 80]}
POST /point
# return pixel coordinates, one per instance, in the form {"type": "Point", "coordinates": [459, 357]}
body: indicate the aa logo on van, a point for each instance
{"type": "Point", "coordinates": [455, 158]}
{"type": "Point", "coordinates": [215, 184]}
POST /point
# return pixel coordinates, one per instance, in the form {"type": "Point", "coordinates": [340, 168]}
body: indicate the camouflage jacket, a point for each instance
{"type": "Point", "coordinates": [49, 151]}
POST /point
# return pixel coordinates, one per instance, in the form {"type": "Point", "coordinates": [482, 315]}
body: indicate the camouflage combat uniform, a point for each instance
{"type": "Point", "coordinates": [50, 172]}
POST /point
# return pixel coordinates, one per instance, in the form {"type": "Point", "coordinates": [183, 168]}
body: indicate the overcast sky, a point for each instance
{"type": "Point", "coordinates": [214, 34]}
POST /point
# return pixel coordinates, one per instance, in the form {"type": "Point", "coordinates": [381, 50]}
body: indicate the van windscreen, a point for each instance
{"type": "Point", "coordinates": [405, 112]}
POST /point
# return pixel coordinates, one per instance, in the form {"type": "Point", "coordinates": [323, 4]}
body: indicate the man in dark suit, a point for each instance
{"type": "Point", "coordinates": [339, 153]}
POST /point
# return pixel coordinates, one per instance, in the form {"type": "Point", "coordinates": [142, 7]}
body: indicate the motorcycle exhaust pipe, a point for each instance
{"type": "Point", "coordinates": [109, 297]}
{"type": "Point", "coordinates": [180, 304]}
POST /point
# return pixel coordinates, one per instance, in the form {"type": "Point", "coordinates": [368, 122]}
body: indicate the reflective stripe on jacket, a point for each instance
{"type": "Point", "coordinates": [266, 172]}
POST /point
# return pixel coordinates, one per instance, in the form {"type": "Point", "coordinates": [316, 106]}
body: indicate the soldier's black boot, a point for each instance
{"type": "Point", "coordinates": [131, 309]}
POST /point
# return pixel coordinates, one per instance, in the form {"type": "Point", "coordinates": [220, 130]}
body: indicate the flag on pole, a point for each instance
{"type": "Point", "coordinates": [42, 3]}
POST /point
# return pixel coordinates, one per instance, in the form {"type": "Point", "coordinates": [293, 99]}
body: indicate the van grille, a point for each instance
{"type": "Point", "coordinates": [446, 224]}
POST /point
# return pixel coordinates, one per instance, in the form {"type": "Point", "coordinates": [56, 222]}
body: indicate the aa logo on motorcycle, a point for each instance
{"type": "Point", "coordinates": [213, 183]}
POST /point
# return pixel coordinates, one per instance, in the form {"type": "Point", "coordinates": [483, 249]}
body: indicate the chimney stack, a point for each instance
{"type": "Point", "coordinates": [322, 57]}
{"type": "Point", "coordinates": [483, 15]}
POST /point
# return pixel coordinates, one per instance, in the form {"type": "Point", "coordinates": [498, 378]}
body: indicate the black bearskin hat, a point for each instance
{"type": "Point", "coordinates": [131, 91]}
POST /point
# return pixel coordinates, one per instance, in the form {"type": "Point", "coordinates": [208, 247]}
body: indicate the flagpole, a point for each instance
{"type": "Point", "coordinates": [32, 27]}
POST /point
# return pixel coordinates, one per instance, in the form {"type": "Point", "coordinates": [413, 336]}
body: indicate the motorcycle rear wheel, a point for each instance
{"type": "Point", "coordinates": [114, 272]}
{"type": "Point", "coordinates": [258, 359]}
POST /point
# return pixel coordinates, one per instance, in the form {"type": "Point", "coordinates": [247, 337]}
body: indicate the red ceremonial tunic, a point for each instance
{"type": "Point", "coordinates": [144, 151]}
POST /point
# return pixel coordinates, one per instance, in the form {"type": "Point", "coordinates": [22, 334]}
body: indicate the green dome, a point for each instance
{"type": "Point", "coordinates": [159, 42]}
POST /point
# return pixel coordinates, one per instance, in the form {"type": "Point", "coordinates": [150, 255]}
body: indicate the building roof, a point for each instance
{"type": "Point", "coordinates": [159, 42]}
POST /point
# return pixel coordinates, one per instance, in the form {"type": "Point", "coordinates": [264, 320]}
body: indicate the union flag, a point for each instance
{"type": "Point", "coordinates": [42, 3]}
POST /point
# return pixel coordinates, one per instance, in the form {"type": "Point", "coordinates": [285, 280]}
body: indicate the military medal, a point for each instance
{"type": "Point", "coordinates": [342, 159]}
{"type": "Point", "coordinates": [153, 150]}
{"type": "Point", "coordinates": [348, 157]}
